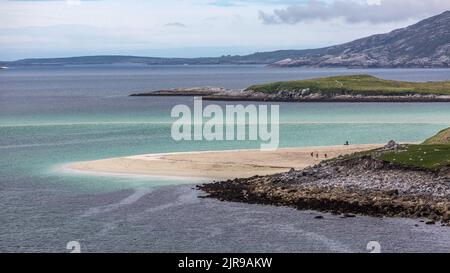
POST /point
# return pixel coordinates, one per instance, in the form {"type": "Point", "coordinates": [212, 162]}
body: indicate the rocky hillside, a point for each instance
{"type": "Point", "coordinates": [425, 44]}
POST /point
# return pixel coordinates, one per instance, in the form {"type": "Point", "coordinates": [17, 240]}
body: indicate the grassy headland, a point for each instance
{"type": "Point", "coordinates": [432, 157]}
{"type": "Point", "coordinates": [443, 138]}
{"type": "Point", "coordinates": [356, 85]}
{"type": "Point", "coordinates": [433, 154]}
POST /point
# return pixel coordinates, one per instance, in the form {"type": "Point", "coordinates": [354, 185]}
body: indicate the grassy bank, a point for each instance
{"type": "Point", "coordinates": [356, 85]}
{"type": "Point", "coordinates": [433, 157]}
{"type": "Point", "coordinates": [443, 138]}
{"type": "Point", "coordinates": [433, 154]}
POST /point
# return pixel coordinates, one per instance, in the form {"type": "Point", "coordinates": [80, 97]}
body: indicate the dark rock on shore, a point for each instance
{"type": "Point", "coordinates": [195, 91]}
{"type": "Point", "coordinates": [222, 94]}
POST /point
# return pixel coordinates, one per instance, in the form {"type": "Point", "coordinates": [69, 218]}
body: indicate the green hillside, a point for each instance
{"type": "Point", "coordinates": [443, 137]}
{"type": "Point", "coordinates": [433, 154]}
{"type": "Point", "coordinates": [432, 157]}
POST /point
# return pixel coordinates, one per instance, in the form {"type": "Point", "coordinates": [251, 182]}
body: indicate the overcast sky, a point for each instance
{"type": "Point", "coordinates": [183, 28]}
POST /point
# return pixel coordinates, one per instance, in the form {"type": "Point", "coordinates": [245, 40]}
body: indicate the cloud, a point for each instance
{"type": "Point", "coordinates": [353, 11]}
{"type": "Point", "coordinates": [234, 3]}
{"type": "Point", "coordinates": [175, 24]}
{"type": "Point", "coordinates": [68, 2]}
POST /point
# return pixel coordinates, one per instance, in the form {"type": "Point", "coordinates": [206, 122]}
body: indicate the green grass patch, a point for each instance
{"type": "Point", "coordinates": [432, 157]}
{"type": "Point", "coordinates": [356, 85]}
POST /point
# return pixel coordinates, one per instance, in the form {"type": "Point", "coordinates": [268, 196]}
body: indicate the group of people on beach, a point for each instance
{"type": "Point", "coordinates": [316, 155]}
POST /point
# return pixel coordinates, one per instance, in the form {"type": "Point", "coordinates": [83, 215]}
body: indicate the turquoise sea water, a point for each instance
{"type": "Point", "coordinates": [53, 116]}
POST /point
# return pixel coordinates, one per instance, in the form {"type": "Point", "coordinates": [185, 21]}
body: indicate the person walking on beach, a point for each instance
{"type": "Point", "coordinates": [312, 154]}
{"type": "Point", "coordinates": [326, 155]}
{"type": "Point", "coordinates": [317, 155]}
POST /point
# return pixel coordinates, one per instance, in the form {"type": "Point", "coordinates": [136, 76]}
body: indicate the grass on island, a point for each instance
{"type": "Point", "coordinates": [356, 85]}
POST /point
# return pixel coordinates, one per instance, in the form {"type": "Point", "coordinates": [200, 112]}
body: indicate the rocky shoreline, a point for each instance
{"type": "Point", "coordinates": [355, 185]}
{"type": "Point", "coordinates": [222, 94]}
{"type": "Point", "coordinates": [194, 91]}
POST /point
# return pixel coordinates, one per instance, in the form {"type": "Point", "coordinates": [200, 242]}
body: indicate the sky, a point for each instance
{"type": "Point", "coordinates": [193, 28]}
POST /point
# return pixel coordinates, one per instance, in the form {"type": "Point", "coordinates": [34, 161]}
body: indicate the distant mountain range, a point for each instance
{"type": "Point", "coordinates": [425, 44]}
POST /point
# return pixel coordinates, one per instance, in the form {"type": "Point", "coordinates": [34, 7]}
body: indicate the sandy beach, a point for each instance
{"type": "Point", "coordinates": [218, 164]}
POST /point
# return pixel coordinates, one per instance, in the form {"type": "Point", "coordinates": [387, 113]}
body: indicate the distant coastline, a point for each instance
{"type": "Point", "coordinates": [422, 45]}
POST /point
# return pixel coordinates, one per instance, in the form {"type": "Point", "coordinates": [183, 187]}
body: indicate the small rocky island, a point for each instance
{"type": "Point", "coordinates": [353, 88]}
{"type": "Point", "coordinates": [397, 180]}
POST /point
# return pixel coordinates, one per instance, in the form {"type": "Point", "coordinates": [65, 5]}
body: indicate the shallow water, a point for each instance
{"type": "Point", "coordinates": [53, 116]}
